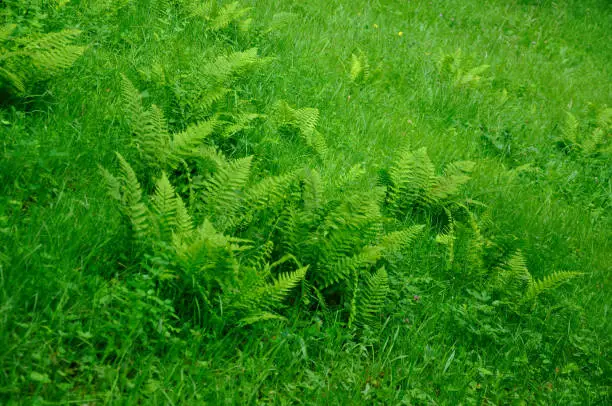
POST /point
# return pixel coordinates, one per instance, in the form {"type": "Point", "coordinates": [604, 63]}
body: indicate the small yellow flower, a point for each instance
{"type": "Point", "coordinates": [375, 26]}
{"type": "Point", "coordinates": [400, 33]}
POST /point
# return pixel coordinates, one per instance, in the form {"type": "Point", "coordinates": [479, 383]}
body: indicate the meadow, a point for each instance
{"type": "Point", "coordinates": [392, 202]}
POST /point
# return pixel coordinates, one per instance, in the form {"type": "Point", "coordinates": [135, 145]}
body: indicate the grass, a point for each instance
{"type": "Point", "coordinates": [75, 328]}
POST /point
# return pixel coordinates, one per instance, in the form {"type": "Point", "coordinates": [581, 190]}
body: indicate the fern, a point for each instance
{"type": "Point", "coordinates": [549, 282]}
{"type": "Point", "coordinates": [131, 198]}
{"type": "Point", "coordinates": [587, 143]}
{"type": "Point", "coordinates": [360, 68]}
{"type": "Point", "coordinates": [224, 191]}
{"type": "Point", "coordinates": [303, 120]}
{"type": "Point", "coordinates": [413, 182]}
{"type": "Point", "coordinates": [165, 208]}
{"type": "Point", "coordinates": [373, 298]}
{"type": "Point", "coordinates": [227, 15]}
{"type": "Point", "coordinates": [186, 143]}
{"type": "Point", "coordinates": [24, 60]}
{"type": "Point", "coordinates": [452, 66]}
{"type": "Point", "coordinates": [512, 277]}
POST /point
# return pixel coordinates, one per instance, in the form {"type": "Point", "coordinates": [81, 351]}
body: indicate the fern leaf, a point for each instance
{"type": "Point", "coordinates": [570, 130]}
{"type": "Point", "coordinates": [373, 297]}
{"type": "Point", "coordinates": [342, 269]}
{"type": "Point", "coordinates": [270, 192]}
{"type": "Point", "coordinates": [113, 186]}
{"type": "Point", "coordinates": [6, 31]}
{"type": "Point", "coordinates": [13, 79]}
{"type": "Point", "coordinates": [225, 190]}
{"type": "Point", "coordinates": [412, 179]}
{"type": "Point", "coordinates": [259, 317]}
{"type": "Point", "coordinates": [224, 67]}
{"type": "Point", "coordinates": [398, 240]}
{"type": "Point", "coordinates": [134, 208]}
{"type": "Point", "coordinates": [226, 15]}
{"type": "Point", "coordinates": [164, 207]}
{"type": "Point", "coordinates": [549, 282]}
{"type": "Point", "coordinates": [184, 222]}
{"type": "Point", "coordinates": [273, 294]}
{"type": "Point", "coordinates": [185, 143]}
{"type": "Point", "coordinates": [513, 275]}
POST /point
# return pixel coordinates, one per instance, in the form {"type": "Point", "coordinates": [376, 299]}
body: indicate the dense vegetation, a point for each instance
{"type": "Point", "coordinates": [322, 202]}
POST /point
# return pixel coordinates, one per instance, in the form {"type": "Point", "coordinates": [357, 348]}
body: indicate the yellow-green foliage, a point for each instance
{"type": "Point", "coordinates": [303, 120]}
{"type": "Point", "coordinates": [26, 59]}
{"type": "Point", "coordinates": [360, 68]}
{"type": "Point", "coordinates": [414, 182]}
{"type": "Point", "coordinates": [200, 260]}
{"type": "Point", "coordinates": [453, 67]}
{"type": "Point", "coordinates": [576, 136]}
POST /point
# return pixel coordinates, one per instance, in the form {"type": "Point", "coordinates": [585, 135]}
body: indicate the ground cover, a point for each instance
{"type": "Point", "coordinates": [274, 202]}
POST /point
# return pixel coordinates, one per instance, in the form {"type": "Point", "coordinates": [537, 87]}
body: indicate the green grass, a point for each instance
{"type": "Point", "coordinates": [81, 321]}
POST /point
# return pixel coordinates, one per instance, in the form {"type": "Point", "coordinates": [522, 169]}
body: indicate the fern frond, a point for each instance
{"type": "Point", "coordinates": [259, 317]}
{"type": "Point", "coordinates": [269, 192]}
{"type": "Point", "coordinates": [199, 9]}
{"type": "Point", "coordinates": [113, 186]}
{"type": "Point", "coordinates": [241, 122]}
{"type": "Point", "coordinates": [312, 191]}
{"type": "Point", "coordinates": [570, 130]}
{"type": "Point", "coordinates": [6, 30]}
{"type": "Point", "coordinates": [225, 66]}
{"type": "Point", "coordinates": [164, 205]}
{"type": "Point", "coordinates": [373, 297]}
{"type": "Point", "coordinates": [281, 20]}
{"type": "Point", "coordinates": [448, 239]}
{"type": "Point", "coordinates": [549, 282]}
{"type": "Point", "coordinates": [360, 68]}
{"type": "Point", "coordinates": [513, 276]}
{"type": "Point", "coordinates": [412, 179]}
{"type": "Point", "coordinates": [475, 246]}
{"type": "Point", "coordinates": [154, 138]}
{"type": "Point", "coordinates": [14, 80]}
{"type": "Point", "coordinates": [306, 119]}
{"type": "Point", "coordinates": [472, 76]}
{"type": "Point", "coordinates": [185, 143]}
{"type": "Point", "coordinates": [53, 60]}
{"type": "Point", "coordinates": [261, 256]}
{"type": "Point", "coordinates": [273, 294]}
{"type": "Point", "coordinates": [226, 15]}
{"type": "Point", "coordinates": [224, 190]}
{"type": "Point", "coordinates": [397, 240]}
{"type": "Point", "coordinates": [184, 222]}
{"type": "Point", "coordinates": [133, 206]}
{"type": "Point", "coordinates": [342, 268]}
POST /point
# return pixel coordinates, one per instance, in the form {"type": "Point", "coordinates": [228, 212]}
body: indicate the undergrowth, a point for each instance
{"type": "Point", "coordinates": [195, 209]}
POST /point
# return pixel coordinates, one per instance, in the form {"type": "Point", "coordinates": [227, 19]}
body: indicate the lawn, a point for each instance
{"type": "Point", "coordinates": [305, 202]}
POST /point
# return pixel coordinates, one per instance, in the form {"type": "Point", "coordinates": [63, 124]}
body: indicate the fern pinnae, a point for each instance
{"type": "Point", "coordinates": [400, 239]}
{"type": "Point", "coordinates": [373, 297]}
{"type": "Point", "coordinates": [133, 206]}
{"type": "Point", "coordinates": [184, 144]}
{"type": "Point", "coordinates": [224, 190]}
{"type": "Point", "coordinates": [226, 15]}
{"type": "Point", "coordinates": [547, 283]}
{"type": "Point", "coordinates": [164, 205]}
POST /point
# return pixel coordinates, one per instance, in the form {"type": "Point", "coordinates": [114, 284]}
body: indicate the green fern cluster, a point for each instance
{"type": "Point", "coordinates": [304, 121]}
{"type": "Point", "coordinates": [452, 66]}
{"type": "Point", "coordinates": [360, 68]}
{"type": "Point", "coordinates": [160, 149]}
{"type": "Point", "coordinates": [26, 59]}
{"type": "Point", "coordinates": [345, 243]}
{"type": "Point", "coordinates": [590, 141]}
{"type": "Point", "coordinates": [467, 252]}
{"type": "Point", "coordinates": [413, 182]}
{"type": "Point", "coordinates": [200, 267]}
